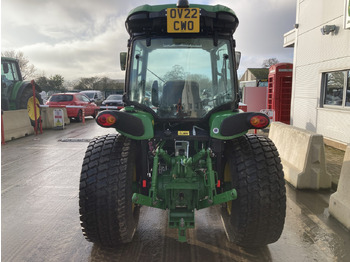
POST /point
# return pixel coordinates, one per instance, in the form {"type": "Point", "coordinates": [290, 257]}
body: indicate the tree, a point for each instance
{"type": "Point", "coordinates": [202, 80]}
{"type": "Point", "coordinates": [269, 62]}
{"type": "Point", "coordinates": [99, 83]}
{"type": "Point", "coordinates": [43, 82]}
{"type": "Point", "coordinates": [176, 73]}
{"type": "Point", "coordinates": [27, 69]}
{"type": "Point", "coordinates": [52, 83]}
{"type": "Point", "coordinates": [56, 82]}
{"type": "Point", "coordinates": [87, 83]}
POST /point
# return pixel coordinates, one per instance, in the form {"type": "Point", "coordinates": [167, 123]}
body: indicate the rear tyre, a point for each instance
{"type": "Point", "coordinates": [107, 215]}
{"type": "Point", "coordinates": [254, 169]}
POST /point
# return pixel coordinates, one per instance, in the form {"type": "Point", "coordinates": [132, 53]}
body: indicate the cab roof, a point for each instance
{"type": "Point", "coordinates": [152, 20]}
{"type": "Point", "coordinates": [8, 59]}
{"type": "Point", "coordinates": [158, 8]}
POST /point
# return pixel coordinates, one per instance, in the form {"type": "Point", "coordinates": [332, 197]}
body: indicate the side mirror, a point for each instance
{"type": "Point", "coordinates": [123, 60]}
{"type": "Point", "coordinates": [238, 58]}
{"type": "Point", "coordinates": [5, 67]}
{"type": "Point", "coordinates": [155, 99]}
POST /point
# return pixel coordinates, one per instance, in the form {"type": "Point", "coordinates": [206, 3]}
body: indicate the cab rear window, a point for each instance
{"type": "Point", "coordinates": [61, 98]}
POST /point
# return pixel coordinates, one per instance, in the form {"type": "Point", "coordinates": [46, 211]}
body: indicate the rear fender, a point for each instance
{"type": "Point", "coordinates": [136, 125]}
{"type": "Point", "coordinates": [229, 125]}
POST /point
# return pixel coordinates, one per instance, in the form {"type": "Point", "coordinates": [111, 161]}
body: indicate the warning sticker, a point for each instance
{"type": "Point", "coordinates": [183, 133]}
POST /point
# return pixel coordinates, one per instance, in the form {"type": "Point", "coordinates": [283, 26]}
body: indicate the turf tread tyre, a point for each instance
{"type": "Point", "coordinates": [258, 213]}
{"type": "Point", "coordinates": [106, 214]}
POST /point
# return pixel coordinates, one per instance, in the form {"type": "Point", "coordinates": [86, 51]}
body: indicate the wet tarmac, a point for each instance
{"type": "Point", "coordinates": [40, 216]}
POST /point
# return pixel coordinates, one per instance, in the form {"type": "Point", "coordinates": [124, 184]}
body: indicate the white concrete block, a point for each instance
{"type": "Point", "coordinates": [16, 124]}
{"type": "Point", "coordinates": [339, 203]}
{"type": "Point", "coordinates": [47, 117]}
{"type": "Point", "coordinates": [302, 155]}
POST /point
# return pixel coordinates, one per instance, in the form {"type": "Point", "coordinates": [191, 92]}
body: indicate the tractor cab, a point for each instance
{"type": "Point", "coordinates": [181, 61]}
{"type": "Point", "coordinates": [10, 74]}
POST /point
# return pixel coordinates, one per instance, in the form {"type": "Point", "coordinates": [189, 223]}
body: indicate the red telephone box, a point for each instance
{"type": "Point", "coordinates": [279, 91]}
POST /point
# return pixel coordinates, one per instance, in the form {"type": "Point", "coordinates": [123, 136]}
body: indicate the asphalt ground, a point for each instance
{"type": "Point", "coordinates": [334, 161]}
{"type": "Point", "coordinates": [40, 214]}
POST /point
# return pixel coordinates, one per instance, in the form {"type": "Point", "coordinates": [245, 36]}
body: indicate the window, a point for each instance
{"type": "Point", "coordinates": [11, 74]}
{"type": "Point", "coordinates": [188, 77]}
{"type": "Point", "coordinates": [61, 98]}
{"type": "Point", "coordinates": [83, 98]}
{"type": "Point", "coordinates": [337, 89]}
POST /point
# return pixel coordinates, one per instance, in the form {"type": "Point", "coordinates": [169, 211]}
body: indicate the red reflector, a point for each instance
{"type": "Point", "coordinates": [144, 183]}
{"type": "Point", "coordinates": [259, 121]}
{"type": "Point", "coordinates": [106, 119]}
{"type": "Point", "coordinates": [219, 183]}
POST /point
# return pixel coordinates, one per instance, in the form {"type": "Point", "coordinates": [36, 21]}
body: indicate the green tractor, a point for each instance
{"type": "Point", "coordinates": [16, 93]}
{"type": "Point", "coordinates": [181, 143]}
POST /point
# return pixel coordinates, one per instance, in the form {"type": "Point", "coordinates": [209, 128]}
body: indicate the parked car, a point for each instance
{"type": "Point", "coordinates": [94, 95]}
{"type": "Point", "coordinates": [114, 100]}
{"type": "Point", "coordinates": [74, 99]}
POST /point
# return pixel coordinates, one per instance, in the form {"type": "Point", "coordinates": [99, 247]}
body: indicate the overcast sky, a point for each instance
{"type": "Point", "coordinates": [76, 38]}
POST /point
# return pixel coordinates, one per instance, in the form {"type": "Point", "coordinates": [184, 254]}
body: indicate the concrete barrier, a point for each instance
{"type": "Point", "coordinates": [302, 154]}
{"type": "Point", "coordinates": [16, 124]}
{"type": "Point", "coordinates": [47, 117]}
{"type": "Point", "coordinates": [339, 203]}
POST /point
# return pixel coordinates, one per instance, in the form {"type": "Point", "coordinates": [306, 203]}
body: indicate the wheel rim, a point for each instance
{"type": "Point", "coordinates": [228, 179]}
{"type": "Point", "coordinates": [31, 108]}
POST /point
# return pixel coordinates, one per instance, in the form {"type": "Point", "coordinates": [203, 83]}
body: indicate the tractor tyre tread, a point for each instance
{"type": "Point", "coordinates": [258, 213]}
{"type": "Point", "coordinates": [105, 191]}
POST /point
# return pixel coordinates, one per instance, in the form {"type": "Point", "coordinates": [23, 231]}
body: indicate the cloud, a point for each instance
{"type": "Point", "coordinates": [262, 24]}
{"type": "Point", "coordinates": [77, 58]}
{"type": "Point", "coordinates": [83, 38]}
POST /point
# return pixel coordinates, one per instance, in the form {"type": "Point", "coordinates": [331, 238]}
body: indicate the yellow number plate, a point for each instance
{"type": "Point", "coordinates": [183, 133]}
{"type": "Point", "coordinates": [183, 20]}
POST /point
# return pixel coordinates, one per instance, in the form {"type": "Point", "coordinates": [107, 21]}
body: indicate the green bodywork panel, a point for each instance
{"type": "Point", "coordinates": [188, 184]}
{"type": "Point", "coordinates": [215, 124]}
{"type": "Point", "coordinates": [14, 93]}
{"type": "Point", "coordinates": [147, 121]}
{"type": "Point", "coordinates": [158, 8]}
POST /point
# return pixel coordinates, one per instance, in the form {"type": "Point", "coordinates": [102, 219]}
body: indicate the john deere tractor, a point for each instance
{"type": "Point", "coordinates": [181, 143]}
{"type": "Point", "coordinates": [17, 93]}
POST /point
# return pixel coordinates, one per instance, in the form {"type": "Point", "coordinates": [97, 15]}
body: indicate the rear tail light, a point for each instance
{"type": "Point", "coordinates": [259, 121]}
{"type": "Point", "coordinates": [106, 120]}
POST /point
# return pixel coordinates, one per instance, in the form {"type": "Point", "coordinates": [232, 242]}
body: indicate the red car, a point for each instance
{"type": "Point", "coordinates": [74, 99]}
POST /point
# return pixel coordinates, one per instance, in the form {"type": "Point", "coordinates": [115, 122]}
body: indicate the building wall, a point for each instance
{"type": "Point", "coordinates": [315, 54]}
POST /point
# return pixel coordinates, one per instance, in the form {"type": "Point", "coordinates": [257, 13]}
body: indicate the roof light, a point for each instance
{"type": "Point", "coordinates": [183, 4]}
{"type": "Point", "coordinates": [259, 121]}
{"type": "Point", "coordinates": [106, 120]}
